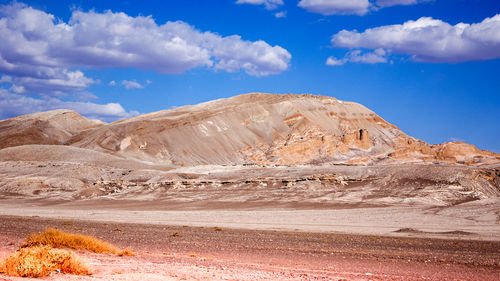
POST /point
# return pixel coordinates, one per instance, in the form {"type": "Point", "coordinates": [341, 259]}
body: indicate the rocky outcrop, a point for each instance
{"type": "Point", "coordinates": [450, 152]}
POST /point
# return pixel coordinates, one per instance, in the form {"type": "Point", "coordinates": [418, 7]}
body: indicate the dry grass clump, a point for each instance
{"type": "Point", "coordinates": [60, 239]}
{"type": "Point", "coordinates": [125, 252]}
{"type": "Point", "coordinates": [37, 257]}
{"type": "Point", "coordinates": [40, 261]}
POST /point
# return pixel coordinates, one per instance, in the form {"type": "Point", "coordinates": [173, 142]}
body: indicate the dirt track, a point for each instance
{"type": "Point", "coordinates": [194, 253]}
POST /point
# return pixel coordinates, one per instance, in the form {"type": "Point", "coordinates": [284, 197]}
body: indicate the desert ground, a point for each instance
{"type": "Point", "coordinates": [308, 222]}
{"type": "Point", "coordinates": [167, 252]}
{"type": "Point", "coordinates": [471, 220]}
{"type": "Point", "coordinates": [269, 241]}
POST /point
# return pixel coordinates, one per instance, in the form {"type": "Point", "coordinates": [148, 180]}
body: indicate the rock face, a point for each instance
{"type": "Point", "coordinates": [268, 129]}
{"type": "Point", "coordinates": [51, 127]}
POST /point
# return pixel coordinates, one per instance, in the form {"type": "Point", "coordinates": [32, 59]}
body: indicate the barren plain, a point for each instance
{"type": "Point", "coordinates": [213, 253]}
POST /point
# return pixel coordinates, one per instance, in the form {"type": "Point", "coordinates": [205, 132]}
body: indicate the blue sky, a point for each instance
{"type": "Point", "coordinates": [430, 67]}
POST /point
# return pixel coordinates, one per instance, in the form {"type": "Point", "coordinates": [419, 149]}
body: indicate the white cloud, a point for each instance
{"type": "Point", "coordinates": [254, 57]}
{"type": "Point", "coordinates": [40, 53]}
{"type": "Point", "coordinates": [17, 89]}
{"type": "Point", "coordinates": [351, 7]}
{"type": "Point", "coordinates": [13, 105]}
{"type": "Point", "coordinates": [281, 14]}
{"type": "Point", "coordinates": [377, 56]}
{"type": "Point", "coordinates": [5, 79]}
{"type": "Point", "coordinates": [118, 40]}
{"type": "Point", "coordinates": [430, 40]}
{"type": "Point", "coordinates": [24, 53]}
{"type": "Point", "coordinates": [389, 3]}
{"type": "Point", "coordinates": [269, 4]}
{"type": "Point", "coordinates": [131, 85]}
{"type": "Point", "coordinates": [332, 61]}
{"type": "Point", "coordinates": [85, 96]}
{"type": "Point", "coordinates": [357, 56]}
{"type": "Point", "coordinates": [112, 83]}
{"type": "Point", "coordinates": [62, 81]}
{"type": "Point", "coordinates": [336, 7]}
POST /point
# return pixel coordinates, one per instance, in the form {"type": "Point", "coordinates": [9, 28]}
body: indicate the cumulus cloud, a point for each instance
{"type": "Point", "coordinates": [41, 53]}
{"type": "Point", "coordinates": [85, 96]}
{"type": "Point", "coordinates": [5, 79]}
{"type": "Point", "coordinates": [18, 89]}
{"type": "Point", "coordinates": [281, 14]}
{"type": "Point", "coordinates": [332, 61]}
{"type": "Point", "coordinates": [336, 7]}
{"type": "Point", "coordinates": [63, 81]}
{"type": "Point", "coordinates": [131, 85]}
{"type": "Point", "coordinates": [118, 40]}
{"type": "Point", "coordinates": [112, 83]}
{"type": "Point", "coordinates": [12, 105]}
{"type": "Point", "coordinates": [269, 4]}
{"type": "Point", "coordinates": [357, 56]}
{"type": "Point", "coordinates": [351, 7]}
{"type": "Point", "coordinates": [388, 3]}
{"type": "Point", "coordinates": [430, 40]}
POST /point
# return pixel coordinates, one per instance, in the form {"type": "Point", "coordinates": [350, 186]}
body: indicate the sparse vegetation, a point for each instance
{"type": "Point", "coordinates": [40, 261]}
{"type": "Point", "coordinates": [39, 255]}
{"type": "Point", "coordinates": [125, 252]}
{"type": "Point", "coordinates": [56, 238]}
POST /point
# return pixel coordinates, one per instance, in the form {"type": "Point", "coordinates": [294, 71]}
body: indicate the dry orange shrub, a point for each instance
{"type": "Point", "coordinates": [125, 252]}
{"type": "Point", "coordinates": [60, 239]}
{"type": "Point", "coordinates": [40, 261]}
{"type": "Point", "coordinates": [37, 257]}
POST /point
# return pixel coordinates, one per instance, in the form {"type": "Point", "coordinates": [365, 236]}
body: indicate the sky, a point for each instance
{"type": "Point", "coordinates": [431, 67]}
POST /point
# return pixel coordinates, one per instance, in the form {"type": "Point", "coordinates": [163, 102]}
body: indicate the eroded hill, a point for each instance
{"type": "Point", "coordinates": [51, 127]}
{"type": "Point", "coordinates": [246, 150]}
{"type": "Point", "coordinates": [267, 129]}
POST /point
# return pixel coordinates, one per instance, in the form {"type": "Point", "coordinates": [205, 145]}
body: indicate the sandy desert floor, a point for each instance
{"type": "Point", "coordinates": [475, 220]}
{"type": "Point", "coordinates": [363, 243]}
{"type": "Point", "coordinates": [209, 253]}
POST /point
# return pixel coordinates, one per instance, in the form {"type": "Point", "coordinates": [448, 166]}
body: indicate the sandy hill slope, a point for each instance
{"type": "Point", "coordinates": [71, 155]}
{"type": "Point", "coordinates": [249, 149]}
{"type": "Point", "coordinates": [51, 127]}
{"type": "Point", "coordinates": [256, 129]}
{"type": "Point", "coordinates": [270, 129]}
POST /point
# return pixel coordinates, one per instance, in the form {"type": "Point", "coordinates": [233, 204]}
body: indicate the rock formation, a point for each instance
{"type": "Point", "coordinates": [249, 148]}
{"type": "Point", "coordinates": [261, 129]}
{"type": "Point", "coordinates": [267, 129]}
